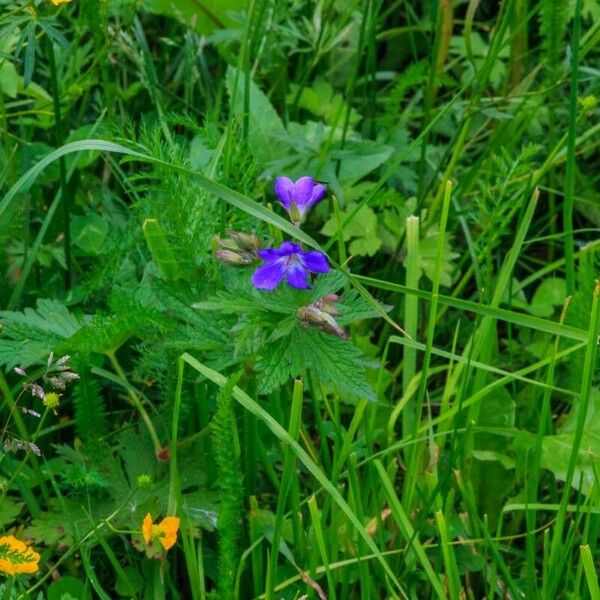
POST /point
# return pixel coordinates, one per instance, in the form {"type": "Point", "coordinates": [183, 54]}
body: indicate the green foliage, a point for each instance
{"type": "Point", "coordinates": [90, 410]}
{"type": "Point", "coordinates": [226, 447]}
{"type": "Point", "coordinates": [446, 465]}
{"type": "Point", "coordinates": [554, 19]}
{"type": "Point", "coordinates": [33, 334]}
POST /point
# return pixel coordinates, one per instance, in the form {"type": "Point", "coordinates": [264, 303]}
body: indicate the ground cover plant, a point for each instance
{"type": "Point", "coordinates": [299, 299]}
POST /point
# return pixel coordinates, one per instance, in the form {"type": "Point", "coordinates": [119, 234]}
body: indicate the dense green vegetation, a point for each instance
{"type": "Point", "coordinates": [182, 416]}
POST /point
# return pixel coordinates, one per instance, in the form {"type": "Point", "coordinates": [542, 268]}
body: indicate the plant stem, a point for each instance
{"type": "Point", "coordinates": [570, 167]}
{"type": "Point", "coordinates": [58, 129]}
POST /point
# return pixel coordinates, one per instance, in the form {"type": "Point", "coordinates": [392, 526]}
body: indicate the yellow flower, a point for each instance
{"type": "Point", "coordinates": [51, 400]}
{"type": "Point", "coordinates": [57, 2]}
{"type": "Point", "coordinates": [165, 532]}
{"type": "Point", "coordinates": [16, 557]}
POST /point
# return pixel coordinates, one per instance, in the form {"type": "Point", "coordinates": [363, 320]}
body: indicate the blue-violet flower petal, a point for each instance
{"type": "Point", "coordinates": [288, 262]}
{"type": "Point", "coordinates": [298, 197]}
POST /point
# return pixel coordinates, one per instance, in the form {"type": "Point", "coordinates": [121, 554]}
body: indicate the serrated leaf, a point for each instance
{"type": "Point", "coordinates": [353, 307]}
{"type": "Point", "coordinates": [276, 367]}
{"type": "Point", "coordinates": [335, 361]}
{"type": "Point", "coordinates": [34, 333]}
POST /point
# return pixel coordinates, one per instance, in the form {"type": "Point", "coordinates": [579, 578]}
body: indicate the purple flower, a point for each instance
{"type": "Point", "coordinates": [288, 262]}
{"type": "Point", "coordinates": [298, 197]}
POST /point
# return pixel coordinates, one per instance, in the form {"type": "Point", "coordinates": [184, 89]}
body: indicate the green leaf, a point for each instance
{"type": "Point", "coordinates": [89, 233]}
{"type": "Point", "coordinates": [266, 130]}
{"type": "Point", "coordinates": [550, 293]}
{"type": "Point", "coordinates": [321, 100]}
{"type": "Point", "coordinates": [360, 157]}
{"type": "Point", "coordinates": [35, 333]}
{"type": "Point", "coordinates": [362, 227]}
{"type": "Point", "coordinates": [276, 368]}
{"type": "Point", "coordinates": [336, 362]}
{"type": "Point", "coordinates": [9, 79]}
{"type": "Point", "coordinates": [205, 16]}
{"type": "Point", "coordinates": [161, 250]}
{"type": "Point", "coordinates": [427, 257]}
{"type": "Point", "coordinates": [131, 584]}
{"type": "Point", "coordinates": [67, 588]}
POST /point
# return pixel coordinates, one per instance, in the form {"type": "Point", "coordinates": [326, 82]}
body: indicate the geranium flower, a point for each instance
{"type": "Point", "coordinates": [288, 262]}
{"type": "Point", "coordinates": [165, 531]}
{"type": "Point", "coordinates": [298, 197]}
{"type": "Point", "coordinates": [16, 557]}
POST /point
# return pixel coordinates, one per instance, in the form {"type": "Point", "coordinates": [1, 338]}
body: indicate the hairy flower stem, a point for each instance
{"type": "Point", "coordinates": [16, 415]}
{"type": "Point", "coordinates": [136, 402]}
{"type": "Point", "coordinates": [66, 209]}
{"type": "Point", "coordinates": [18, 470]}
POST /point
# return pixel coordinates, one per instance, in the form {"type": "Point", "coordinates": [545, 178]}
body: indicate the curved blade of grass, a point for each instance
{"type": "Point", "coordinates": [230, 196]}
{"type": "Point", "coordinates": [253, 407]}
{"type": "Point", "coordinates": [407, 530]}
{"type": "Point", "coordinates": [589, 365]}
{"type": "Point", "coordinates": [500, 314]}
{"type": "Point", "coordinates": [394, 339]}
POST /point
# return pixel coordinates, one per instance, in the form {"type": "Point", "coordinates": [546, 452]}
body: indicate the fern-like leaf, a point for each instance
{"type": "Point", "coordinates": [90, 413]}
{"type": "Point", "coordinates": [227, 455]}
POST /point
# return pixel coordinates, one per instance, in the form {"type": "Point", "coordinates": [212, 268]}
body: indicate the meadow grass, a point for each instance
{"type": "Point", "coordinates": [429, 430]}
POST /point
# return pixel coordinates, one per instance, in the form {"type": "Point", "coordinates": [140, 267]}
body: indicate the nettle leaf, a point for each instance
{"type": "Point", "coordinates": [328, 283]}
{"type": "Point", "coordinates": [35, 333]}
{"type": "Point", "coordinates": [361, 229]}
{"type": "Point", "coordinates": [276, 367]}
{"type": "Point", "coordinates": [336, 362]}
{"type": "Point", "coordinates": [354, 307]}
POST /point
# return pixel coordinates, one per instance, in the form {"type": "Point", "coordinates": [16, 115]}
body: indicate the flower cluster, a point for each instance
{"type": "Point", "coordinates": [16, 557]}
{"type": "Point", "coordinates": [237, 249]}
{"type": "Point", "coordinates": [57, 375]}
{"type": "Point", "coordinates": [289, 262]}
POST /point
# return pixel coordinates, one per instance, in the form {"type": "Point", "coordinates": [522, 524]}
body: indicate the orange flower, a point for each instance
{"type": "Point", "coordinates": [165, 532]}
{"type": "Point", "coordinates": [57, 2]}
{"type": "Point", "coordinates": [16, 557]}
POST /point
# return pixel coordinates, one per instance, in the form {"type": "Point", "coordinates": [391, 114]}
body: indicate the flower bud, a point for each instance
{"type": "Point", "coordinates": [313, 315]}
{"type": "Point", "coordinates": [245, 241]}
{"type": "Point", "coordinates": [229, 257]}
